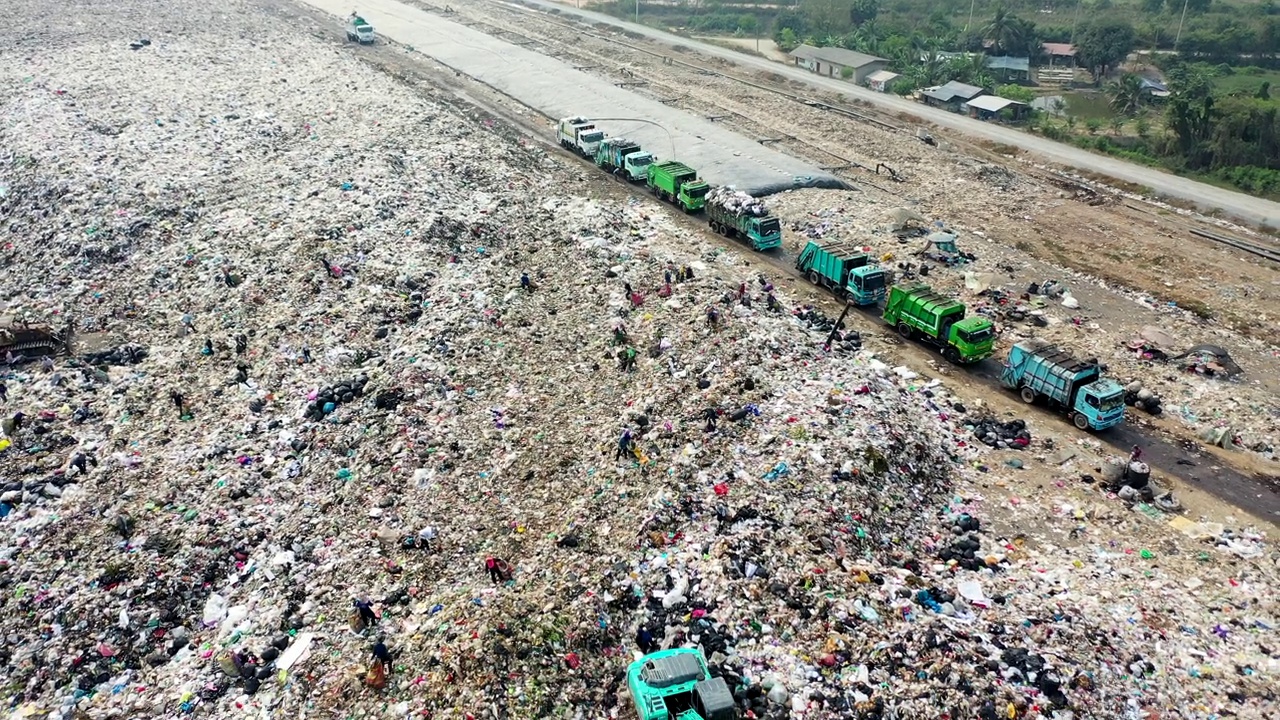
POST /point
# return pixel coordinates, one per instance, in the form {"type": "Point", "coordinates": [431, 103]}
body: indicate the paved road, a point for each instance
{"type": "Point", "coordinates": [1252, 210]}
{"type": "Point", "coordinates": [555, 89]}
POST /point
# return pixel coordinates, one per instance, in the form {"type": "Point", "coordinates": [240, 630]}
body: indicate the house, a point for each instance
{"type": "Point", "coordinates": [987, 107]}
{"type": "Point", "coordinates": [1010, 68]}
{"type": "Point", "coordinates": [1060, 54]}
{"type": "Point", "coordinates": [881, 80]}
{"type": "Point", "coordinates": [835, 62]}
{"type": "Point", "coordinates": [952, 95]}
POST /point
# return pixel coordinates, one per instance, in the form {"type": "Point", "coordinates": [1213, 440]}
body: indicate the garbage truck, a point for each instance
{"type": "Point", "coordinates": [678, 184]}
{"type": "Point", "coordinates": [580, 135]}
{"type": "Point", "coordinates": [844, 269]}
{"type": "Point", "coordinates": [359, 30]}
{"type": "Point", "coordinates": [676, 685]}
{"type": "Point", "coordinates": [733, 213]}
{"type": "Point", "coordinates": [1041, 371]}
{"type": "Point", "coordinates": [919, 313]}
{"type": "Point", "coordinates": [623, 157]}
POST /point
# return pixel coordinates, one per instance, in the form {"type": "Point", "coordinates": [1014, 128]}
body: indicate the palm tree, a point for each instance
{"type": "Point", "coordinates": [1005, 31]}
{"type": "Point", "coordinates": [970, 68]}
{"type": "Point", "coordinates": [930, 71]}
{"type": "Point", "coordinates": [1127, 95]}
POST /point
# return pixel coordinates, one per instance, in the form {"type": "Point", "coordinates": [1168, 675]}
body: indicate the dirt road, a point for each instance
{"type": "Point", "coordinates": [1251, 210]}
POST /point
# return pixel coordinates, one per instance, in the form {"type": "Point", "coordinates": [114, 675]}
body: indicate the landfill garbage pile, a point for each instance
{"type": "Point", "coordinates": [362, 468]}
{"type": "Point", "coordinates": [736, 201]}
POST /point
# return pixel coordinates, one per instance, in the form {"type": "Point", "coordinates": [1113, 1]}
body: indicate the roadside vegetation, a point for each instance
{"type": "Point", "coordinates": [1195, 92]}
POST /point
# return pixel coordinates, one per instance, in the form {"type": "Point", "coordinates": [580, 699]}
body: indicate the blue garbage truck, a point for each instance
{"type": "Point", "coordinates": [1040, 371]}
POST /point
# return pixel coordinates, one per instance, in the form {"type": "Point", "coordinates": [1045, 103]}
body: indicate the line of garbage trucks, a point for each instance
{"type": "Point", "coordinates": [1039, 372]}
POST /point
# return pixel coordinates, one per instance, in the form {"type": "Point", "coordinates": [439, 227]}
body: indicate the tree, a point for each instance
{"type": "Point", "coordinates": [1071, 122]}
{"type": "Point", "coordinates": [969, 68]}
{"type": "Point", "coordinates": [931, 71]}
{"type": "Point", "coordinates": [1127, 94]}
{"type": "Point", "coordinates": [1093, 125]}
{"type": "Point", "coordinates": [1264, 92]}
{"type": "Point", "coordinates": [1005, 31]}
{"type": "Point", "coordinates": [1153, 6]}
{"type": "Point", "coordinates": [748, 24]}
{"type": "Point", "coordinates": [902, 86]}
{"type": "Point", "coordinates": [826, 17]}
{"type": "Point", "coordinates": [1104, 43]}
{"type": "Point", "coordinates": [787, 40]}
{"type": "Point", "coordinates": [1016, 92]}
{"type": "Point", "coordinates": [1143, 127]}
{"type": "Point", "coordinates": [1116, 123]}
{"type": "Point", "coordinates": [863, 11]}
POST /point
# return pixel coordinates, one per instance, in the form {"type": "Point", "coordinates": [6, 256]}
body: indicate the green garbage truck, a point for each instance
{"type": "Point", "coordinates": [919, 313]}
{"type": "Point", "coordinates": [678, 184]}
{"type": "Point", "coordinates": [844, 269]}
{"type": "Point", "coordinates": [1041, 371]}
{"type": "Point", "coordinates": [621, 156]}
{"type": "Point", "coordinates": [733, 213]}
{"type": "Point", "coordinates": [676, 685]}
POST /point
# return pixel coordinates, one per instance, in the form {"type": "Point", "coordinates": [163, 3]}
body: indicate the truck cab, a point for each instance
{"type": "Point", "coordinates": [693, 195]}
{"type": "Point", "coordinates": [866, 284]}
{"type": "Point", "coordinates": [676, 685]}
{"type": "Point", "coordinates": [636, 165]}
{"type": "Point", "coordinates": [973, 337]}
{"type": "Point", "coordinates": [765, 233]}
{"type": "Point", "coordinates": [1101, 403]}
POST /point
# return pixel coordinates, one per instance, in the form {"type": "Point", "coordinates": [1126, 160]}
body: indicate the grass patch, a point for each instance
{"type": "Point", "coordinates": [1246, 81]}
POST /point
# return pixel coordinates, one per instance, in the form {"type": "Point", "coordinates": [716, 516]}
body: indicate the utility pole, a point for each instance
{"type": "Point", "coordinates": [637, 12]}
{"type": "Point", "coordinates": [1180, 21]}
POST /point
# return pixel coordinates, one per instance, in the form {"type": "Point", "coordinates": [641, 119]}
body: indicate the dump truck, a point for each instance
{"type": "Point", "coordinates": [678, 184]}
{"type": "Point", "coordinates": [623, 157]}
{"type": "Point", "coordinates": [919, 313]}
{"type": "Point", "coordinates": [1040, 371]}
{"type": "Point", "coordinates": [676, 685]}
{"type": "Point", "coordinates": [580, 135]}
{"type": "Point", "coordinates": [737, 214]}
{"type": "Point", "coordinates": [845, 269]}
{"type": "Point", "coordinates": [359, 30]}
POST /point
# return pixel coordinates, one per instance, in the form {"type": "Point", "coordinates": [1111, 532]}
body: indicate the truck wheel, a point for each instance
{"type": "Point", "coordinates": [951, 355]}
{"type": "Point", "coordinates": [1028, 395]}
{"type": "Point", "coordinates": [1080, 421]}
{"type": "Point", "coordinates": [905, 330]}
{"type": "Point", "coordinates": [813, 276]}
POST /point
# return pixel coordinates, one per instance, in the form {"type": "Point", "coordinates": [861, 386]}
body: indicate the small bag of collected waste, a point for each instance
{"type": "Point", "coordinates": [376, 677]}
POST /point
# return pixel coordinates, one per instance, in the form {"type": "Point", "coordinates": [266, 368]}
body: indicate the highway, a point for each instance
{"type": "Point", "coordinates": [1251, 210]}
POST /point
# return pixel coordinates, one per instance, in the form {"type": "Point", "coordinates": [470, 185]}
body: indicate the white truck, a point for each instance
{"type": "Point", "coordinates": [580, 135]}
{"type": "Point", "coordinates": [359, 30]}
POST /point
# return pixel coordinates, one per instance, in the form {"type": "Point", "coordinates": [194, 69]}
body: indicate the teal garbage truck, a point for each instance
{"type": "Point", "coordinates": [845, 269]}
{"type": "Point", "coordinates": [676, 685]}
{"type": "Point", "coordinates": [737, 214]}
{"type": "Point", "coordinates": [1041, 371]}
{"type": "Point", "coordinates": [621, 156]}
